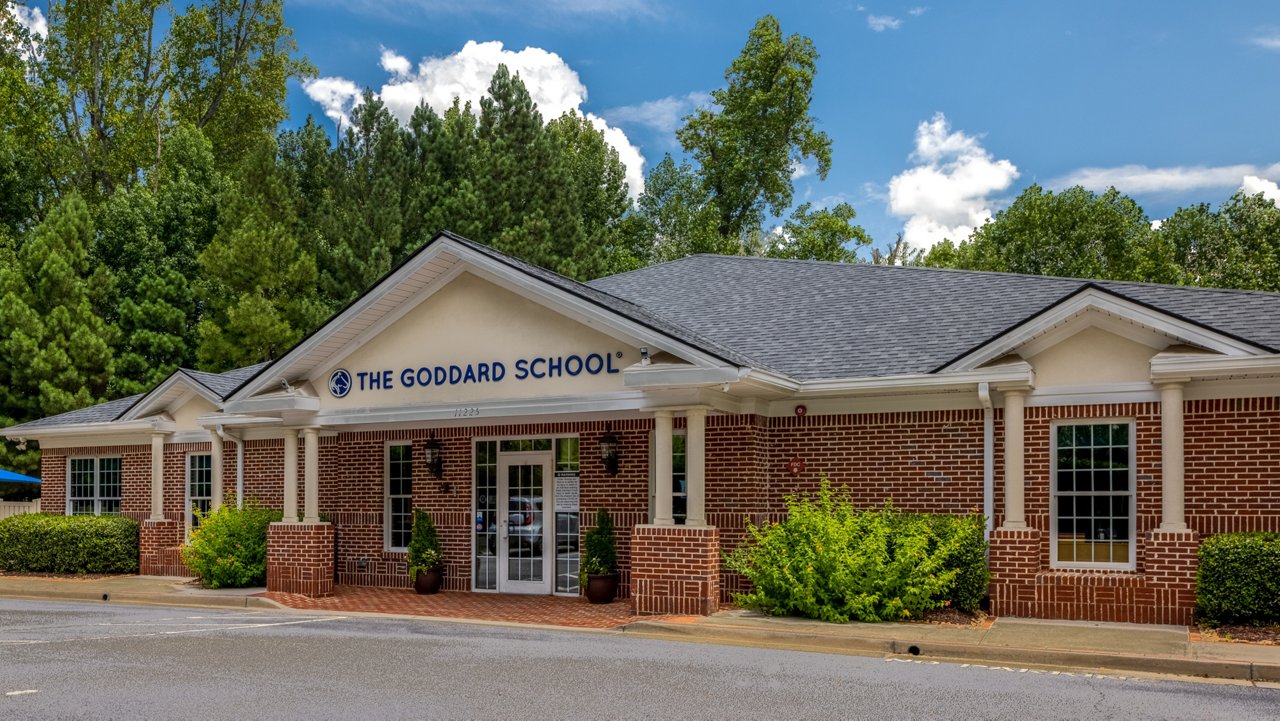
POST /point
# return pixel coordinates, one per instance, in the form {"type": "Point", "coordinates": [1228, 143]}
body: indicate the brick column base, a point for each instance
{"type": "Point", "coordinates": [1169, 564]}
{"type": "Point", "coordinates": [675, 569]}
{"type": "Point", "coordinates": [160, 549]}
{"type": "Point", "coordinates": [300, 558]}
{"type": "Point", "coordinates": [1014, 561]}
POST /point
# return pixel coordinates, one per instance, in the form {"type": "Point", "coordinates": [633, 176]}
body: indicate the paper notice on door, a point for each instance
{"type": "Point", "coordinates": [566, 491]}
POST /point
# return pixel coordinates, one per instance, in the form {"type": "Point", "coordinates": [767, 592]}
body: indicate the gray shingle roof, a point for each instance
{"type": "Point", "coordinates": [813, 320]}
{"type": "Point", "coordinates": [220, 383]}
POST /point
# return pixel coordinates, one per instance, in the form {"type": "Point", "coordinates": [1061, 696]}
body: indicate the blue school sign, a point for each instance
{"type": "Point", "coordinates": [342, 381]}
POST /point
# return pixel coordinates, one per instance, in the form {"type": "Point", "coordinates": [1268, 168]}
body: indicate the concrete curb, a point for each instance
{"type": "Point", "coordinates": [951, 651]}
{"type": "Point", "coordinates": [149, 599]}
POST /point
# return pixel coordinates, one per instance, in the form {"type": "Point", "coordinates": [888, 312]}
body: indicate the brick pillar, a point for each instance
{"type": "Point", "coordinates": [1169, 565]}
{"type": "Point", "coordinates": [1014, 561]}
{"type": "Point", "coordinates": [160, 549]}
{"type": "Point", "coordinates": [675, 569]}
{"type": "Point", "coordinates": [300, 558]}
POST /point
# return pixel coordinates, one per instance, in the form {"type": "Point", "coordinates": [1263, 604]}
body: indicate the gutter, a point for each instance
{"type": "Point", "coordinates": [988, 458]}
{"type": "Point", "coordinates": [222, 433]}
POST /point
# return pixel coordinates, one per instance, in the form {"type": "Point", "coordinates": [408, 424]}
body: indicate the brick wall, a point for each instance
{"type": "Point", "coordinates": [159, 548]}
{"type": "Point", "coordinates": [676, 569]}
{"type": "Point", "coordinates": [1232, 465]}
{"type": "Point", "coordinates": [300, 558]}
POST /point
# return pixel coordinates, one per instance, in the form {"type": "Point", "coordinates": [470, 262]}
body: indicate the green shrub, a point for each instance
{"type": "Point", "coordinates": [831, 562]}
{"type": "Point", "coordinates": [229, 548]}
{"type": "Point", "coordinates": [600, 551]}
{"type": "Point", "coordinates": [1239, 579]}
{"type": "Point", "coordinates": [424, 546]}
{"type": "Point", "coordinates": [44, 543]}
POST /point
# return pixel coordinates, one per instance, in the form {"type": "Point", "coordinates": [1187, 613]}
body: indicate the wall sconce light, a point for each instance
{"type": "Point", "coordinates": [446, 487]}
{"type": "Point", "coordinates": [435, 456]}
{"type": "Point", "coordinates": [609, 445]}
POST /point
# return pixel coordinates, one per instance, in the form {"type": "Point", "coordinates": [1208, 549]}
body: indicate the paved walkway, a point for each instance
{"type": "Point", "coordinates": [999, 642]}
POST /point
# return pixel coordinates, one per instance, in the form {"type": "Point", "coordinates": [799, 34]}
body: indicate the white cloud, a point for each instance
{"type": "Point", "coordinates": [664, 114]}
{"type": "Point", "coordinates": [398, 65]}
{"type": "Point", "coordinates": [1267, 42]}
{"type": "Point", "coordinates": [917, 12]}
{"type": "Point", "coordinates": [1157, 223]}
{"type": "Point", "coordinates": [1253, 185]}
{"type": "Point", "coordinates": [1142, 179]}
{"type": "Point", "coordinates": [800, 169]}
{"type": "Point", "coordinates": [946, 195]}
{"type": "Point", "coordinates": [880, 23]}
{"type": "Point", "coordinates": [338, 96]}
{"type": "Point", "coordinates": [552, 84]}
{"type": "Point", "coordinates": [30, 18]}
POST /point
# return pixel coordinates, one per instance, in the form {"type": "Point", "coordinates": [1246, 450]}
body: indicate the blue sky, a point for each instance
{"type": "Point", "coordinates": [939, 114]}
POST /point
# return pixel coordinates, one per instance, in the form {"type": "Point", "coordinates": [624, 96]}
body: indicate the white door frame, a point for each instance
{"type": "Point", "coordinates": [545, 459]}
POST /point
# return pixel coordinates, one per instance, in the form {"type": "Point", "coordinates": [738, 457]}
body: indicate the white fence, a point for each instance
{"type": "Point", "coordinates": [13, 508]}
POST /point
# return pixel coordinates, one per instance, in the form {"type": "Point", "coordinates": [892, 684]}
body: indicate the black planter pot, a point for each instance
{"type": "Point", "coordinates": [602, 588]}
{"type": "Point", "coordinates": [429, 581]}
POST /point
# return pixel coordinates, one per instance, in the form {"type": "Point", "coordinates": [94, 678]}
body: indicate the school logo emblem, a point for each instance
{"type": "Point", "coordinates": [340, 383]}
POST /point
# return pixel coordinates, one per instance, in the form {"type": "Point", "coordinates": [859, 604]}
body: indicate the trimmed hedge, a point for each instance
{"type": "Point", "coordinates": [229, 549]}
{"type": "Point", "coordinates": [829, 561]}
{"type": "Point", "coordinates": [1239, 579]}
{"type": "Point", "coordinates": [45, 543]}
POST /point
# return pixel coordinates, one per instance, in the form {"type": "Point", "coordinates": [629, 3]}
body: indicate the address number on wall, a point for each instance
{"type": "Point", "coordinates": [465, 412]}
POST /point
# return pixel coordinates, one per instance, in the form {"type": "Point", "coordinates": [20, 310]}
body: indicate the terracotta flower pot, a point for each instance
{"type": "Point", "coordinates": [429, 581]}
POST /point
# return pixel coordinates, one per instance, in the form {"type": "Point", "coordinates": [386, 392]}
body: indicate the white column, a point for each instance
{"type": "Point", "coordinates": [215, 467]}
{"type": "Point", "coordinates": [1171, 458]}
{"type": "Point", "coordinates": [695, 462]}
{"type": "Point", "coordinates": [290, 476]}
{"type": "Point", "coordinates": [157, 476]}
{"type": "Point", "coordinates": [311, 476]}
{"type": "Point", "coordinates": [662, 469]}
{"type": "Point", "coordinates": [1014, 478]}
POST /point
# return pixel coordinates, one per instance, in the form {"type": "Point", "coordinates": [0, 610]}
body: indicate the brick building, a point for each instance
{"type": "Point", "coordinates": [1103, 428]}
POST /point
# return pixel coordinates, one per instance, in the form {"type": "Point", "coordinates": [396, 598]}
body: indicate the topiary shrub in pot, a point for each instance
{"type": "Point", "coordinates": [599, 572]}
{"type": "Point", "coordinates": [426, 562]}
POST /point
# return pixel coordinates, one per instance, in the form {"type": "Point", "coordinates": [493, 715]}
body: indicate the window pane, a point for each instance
{"type": "Point", "coordinates": [1084, 437]}
{"type": "Point", "coordinates": [1094, 501]}
{"type": "Point", "coordinates": [1066, 481]}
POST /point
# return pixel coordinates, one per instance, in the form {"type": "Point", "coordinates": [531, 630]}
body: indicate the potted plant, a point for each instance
{"type": "Point", "coordinates": [599, 572]}
{"type": "Point", "coordinates": [426, 562]}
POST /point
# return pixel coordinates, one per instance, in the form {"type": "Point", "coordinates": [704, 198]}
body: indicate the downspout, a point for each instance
{"type": "Point", "coordinates": [239, 463]}
{"type": "Point", "coordinates": [988, 458]}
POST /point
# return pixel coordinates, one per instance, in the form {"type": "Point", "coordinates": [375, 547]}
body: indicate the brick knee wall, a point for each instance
{"type": "Point", "coordinates": [300, 558]}
{"type": "Point", "coordinates": [1162, 590]}
{"type": "Point", "coordinates": [675, 569]}
{"type": "Point", "coordinates": [160, 549]}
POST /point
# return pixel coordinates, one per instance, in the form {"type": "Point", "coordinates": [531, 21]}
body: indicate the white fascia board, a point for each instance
{"type": "Point", "coordinates": [273, 404]}
{"type": "Point", "coordinates": [361, 304]}
{"type": "Point", "coordinates": [177, 379]}
{"type": "Point", "coordinates": [1011, 375]}
{"type": "Point", "coordinates": [236, 421]}
{"type": "Point", "coordinates": [477, 412]}
{"type": "Point", "coordinates": [1097, 300]}
{"type": "Point", "coordinates": [155, 425]}
{"type": "Point", "coordinates": [1173, 367]}
{"type": "Point", "coordinates": [667, 375]}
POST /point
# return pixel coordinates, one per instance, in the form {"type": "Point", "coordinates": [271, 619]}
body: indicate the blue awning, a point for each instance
{"type": "Point", "coordinates": [16, 477]}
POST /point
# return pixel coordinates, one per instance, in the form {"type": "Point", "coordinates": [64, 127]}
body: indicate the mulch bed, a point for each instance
{"type": "Point", "coordinates": [1265, 635]}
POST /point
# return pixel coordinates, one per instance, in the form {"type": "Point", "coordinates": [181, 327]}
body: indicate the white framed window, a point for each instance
{"type": "Point", "coordinates": [93, 486]}
{"type": "Point", "coordinates": [679, 477]}
{"type": "Point", "coordinates": [1092, 501]}
{"type": "Point", "coordinates": [199, 486]}
{"type": "Point", "coordinates": [398, 488]}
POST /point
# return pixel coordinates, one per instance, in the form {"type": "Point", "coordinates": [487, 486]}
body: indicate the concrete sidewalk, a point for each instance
{"type": "Point", "coordinates": [1001, 642]}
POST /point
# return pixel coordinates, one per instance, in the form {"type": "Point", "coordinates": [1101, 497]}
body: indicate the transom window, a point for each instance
{"type": "Point", "coordinates": [199, 486]}
{"type": "Point", "coordinates": [1093, 495]}
{"type": "Point", "coordinates": [399, 508]}
{"type": "Point", "coordinates": [93, 487]}
{"type": "Point", "coordinates": [679, 478]}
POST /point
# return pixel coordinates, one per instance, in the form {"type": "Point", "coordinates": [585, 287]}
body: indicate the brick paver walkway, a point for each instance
{"type": "Point", "coordinates": [546, 610]}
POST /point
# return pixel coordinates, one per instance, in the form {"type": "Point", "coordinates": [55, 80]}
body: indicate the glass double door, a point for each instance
{"type": "Point", "coordinates": [526, 531]}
